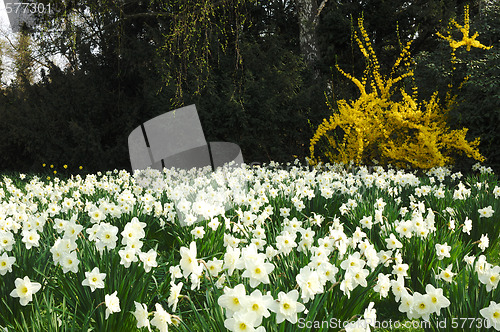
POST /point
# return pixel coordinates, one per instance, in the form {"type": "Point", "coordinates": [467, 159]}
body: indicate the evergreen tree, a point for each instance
{"type": "Point", "coordinates": [23, 59]}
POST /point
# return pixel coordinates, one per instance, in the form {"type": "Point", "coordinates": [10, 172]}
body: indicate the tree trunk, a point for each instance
{"type": "Point", "coordinates": [307, 15]}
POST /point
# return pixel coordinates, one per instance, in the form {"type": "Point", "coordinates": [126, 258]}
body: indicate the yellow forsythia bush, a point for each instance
{"type": "Point", "coordinates": [387, 124]}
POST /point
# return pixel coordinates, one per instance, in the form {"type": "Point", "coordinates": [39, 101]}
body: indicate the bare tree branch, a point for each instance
{"type": "Point", "coordinates": [320, 9]}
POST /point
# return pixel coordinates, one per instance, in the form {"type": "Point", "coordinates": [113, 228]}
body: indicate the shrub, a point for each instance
{"type": "Point", "coordinates": [388, 125]}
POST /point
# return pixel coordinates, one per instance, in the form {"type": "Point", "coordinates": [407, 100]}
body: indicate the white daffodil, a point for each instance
{"type": "Point", "coordinates": [141, 314]}
{"type": "Point", "coordinates": [161, 319]}
{"type": "Point", "coordinates": [442, 250]}
{"type": "Point", "coordinates": [196, 276]}
{"type": "Point", "coordinates": [198, 232]}
{"type": "Point", "coordinates": [383, 285]}
{"type": "Point", "coordinates": [406, 305]}
{"type": "Point", "coordinates": [393, 242]}
{"type": "Point", "coordinates": [175, 293]}
{"type": "Point", "coordinates": [106, 236]}
{"type": "Point", "coordinates": [398, 287]}
{"type": "Point", "coordinates": [286, 242]}
{"type": "Point", "coordinates": [188, 259]}
{"type": "Point", "coordinates": [422, 305]}
{"type": "Point", "coordinates": [353, 262]}
{"type": "Point", "coordinates": [385, 257]}
{"type": "Point", "coordinates": [490, 278]}
{"type": "Point", "coordinates": [492, 314]}
{"type": "Point", "coordinates": [259, 304]}
{"type": "Point", "coordinates": [127, 256]}
{"type": "Point", "coordinates": [438, 300]}
{"type": "Point", "coordinates": [69, 262]}
{"type": "Point", "coordinates": [6, 240]}
{"type": "Point", "coordinates": [6, 263]}
{"type": "Point", "coordinates": [287, 307]}
{"type": "Point", "coordinates": [112, 303]}
{"type": "Point", "coordinates": [214, 266]}
{"type": "Point", "coordinates": [405, 228]}
{"type": "Point", "coordinates": [484, 242]}
{"type": "Point", "coordinates": [400, 269]}
{"type": "Point", "coordinates": [370, 314]}
{"type": "Point", "coordinates": [148, 259]}
{"type": "Point", "coordinates": [271, 252]}
{"type": "Point", "coordinates": [359, 276]}
{"type": "Point", "coordinates": [25, 289]}
{"type": "Point", "coordinates": [175, 272]}
{"type": "Point", "coordinates": [486, 212]}
{"type": "Point", "coordinates": [71, 230]}
{"type": "Point", "coordinates": [467, 226]}
{"type": "Point", "coordinates": [482, 266]}
{"type": "Point", "coordinates": [233, 299]}
{"type": "Point", "coordinates": [258, 271]}
{"type": "Point", "coordinates": [327, 272]}
{"type": "Point", "coordinates": [447, 274]}
{"type": "Point", "coordinates": [133, 230]}
{"type": "Point", "coordinates": [231, 257]}
{"type": "Point", "coordinates": [242, 322]}
{"type": "Point", "coordinates": [94, 279]}
{"type": "Point", "coordinates": [30, 238]}
{"type": "Point", "coordinates": [310, 283]}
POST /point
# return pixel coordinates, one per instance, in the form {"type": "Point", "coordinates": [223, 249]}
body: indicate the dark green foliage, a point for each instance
{"type": "Point", "coordinates": [478, 102]}
{"type": "Point", "coordinates": [265, 109]}
{"type": "Point", "coordinates": [256, 89]}
{"type": "Point", "coordinates": [83, 115]}
{"type": "Point", "coordinates": [390, 22]}
{"type": "Point", "coordinates": [74, 118]}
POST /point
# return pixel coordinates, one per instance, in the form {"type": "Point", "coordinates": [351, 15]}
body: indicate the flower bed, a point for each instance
{"type": "Point", "coordinates": [250, 249]}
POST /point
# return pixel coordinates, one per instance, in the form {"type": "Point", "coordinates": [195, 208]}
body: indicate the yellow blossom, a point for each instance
{"type": "Point", "coordinates": [379, 125]}
{"type": "Point", "coordinates": [466, 41]}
